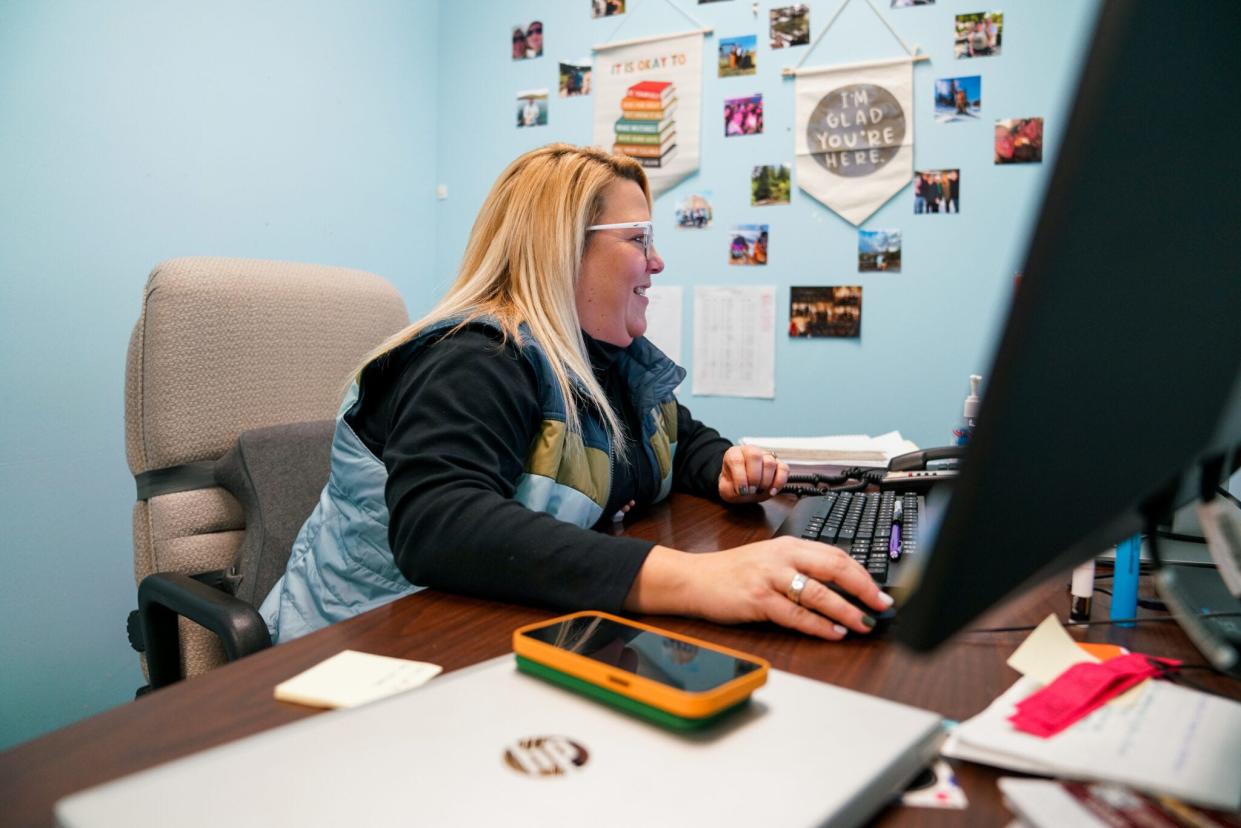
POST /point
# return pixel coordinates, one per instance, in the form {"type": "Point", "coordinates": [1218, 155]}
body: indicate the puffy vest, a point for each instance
{"type": "Point", "coordinates": [341, 564]}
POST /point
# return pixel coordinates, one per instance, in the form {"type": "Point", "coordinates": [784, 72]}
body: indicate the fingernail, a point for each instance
{"type": "Point", "coordinates": [868, 622]}
{"type": "Point", "coordinates": [745, 490]}
{"type": "Point", "coordinates": [887, 599]}
{"type": "Point", "coordinates": [775, 492]}
{"type": "Point", "coordinates": [840, 630]}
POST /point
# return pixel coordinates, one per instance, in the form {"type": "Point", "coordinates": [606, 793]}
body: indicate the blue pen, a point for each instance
{"type": "Point", "coordinates": [894, 544]}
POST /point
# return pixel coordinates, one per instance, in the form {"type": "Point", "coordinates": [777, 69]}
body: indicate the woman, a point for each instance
{"type": "Point", "coordinates": [478, 446]}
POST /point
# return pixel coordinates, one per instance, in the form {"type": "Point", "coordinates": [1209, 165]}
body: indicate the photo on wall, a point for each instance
{"type": "Point", "coordinates": [958, 99]}
{"type": "Point", "coordinates": [574, 78]}
{"type": "Point", "coordinates": [743, 116]}
{"type": "Point", "coordinates": [817, 312]}
{"type": "Point", "coordinates": [694, 211]}
{"type": "Point", "coordinates": [937, 191]}
{"type": "Point", "coordinates": [737, 56]}
{"type": "Point", "coordinates": [606, 8]}
{"type": "Point", "coordinates": [879, 251]}
{"type": "Point", "coordinates": [532, 108]}
{"type": "Point", "coordinates": [770, 184]}
{"type": "Point", "coordinates": [978, 34]}
{"type": "Point", "coordinates": [528, 42]}
{"type": "Point", "coordinates": [790, 26]}
{"type": "Point", "coordinates": [748, 245]}
{"type": "Point", "coordinates": [1019, 141]}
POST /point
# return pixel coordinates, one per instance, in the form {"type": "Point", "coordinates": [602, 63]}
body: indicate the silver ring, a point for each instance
{"type": "Point", "coordinates": [795, 587]}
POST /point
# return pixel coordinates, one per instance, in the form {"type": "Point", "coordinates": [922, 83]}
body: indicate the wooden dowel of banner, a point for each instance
{"type": "Point", "coordinates": [789, 72]}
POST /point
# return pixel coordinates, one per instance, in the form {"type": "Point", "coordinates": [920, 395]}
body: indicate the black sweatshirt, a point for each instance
{"type": "Point", "coordinates": [453, 425]}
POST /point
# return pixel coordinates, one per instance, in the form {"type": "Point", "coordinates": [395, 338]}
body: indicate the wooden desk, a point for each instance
{"type": "Point", "coordinates": [236, 700]}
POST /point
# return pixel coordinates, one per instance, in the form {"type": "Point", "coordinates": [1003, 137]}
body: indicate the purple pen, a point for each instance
{"type": "Point", "coordinates": [894, 543]}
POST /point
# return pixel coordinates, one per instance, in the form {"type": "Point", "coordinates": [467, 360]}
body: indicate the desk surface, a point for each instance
{"type": "Point", "coordinates": [959, 680]}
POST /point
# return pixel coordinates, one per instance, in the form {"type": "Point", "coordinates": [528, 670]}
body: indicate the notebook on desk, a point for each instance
{"type": "Point", "coordinates": [491, 746]}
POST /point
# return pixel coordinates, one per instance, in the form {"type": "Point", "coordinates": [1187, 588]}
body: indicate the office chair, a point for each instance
{"type": "Point", "coordinates": [234, 374]}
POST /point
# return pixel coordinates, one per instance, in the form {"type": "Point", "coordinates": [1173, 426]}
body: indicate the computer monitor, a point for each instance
{"type": "Point", "coordinates": [1118, 375]}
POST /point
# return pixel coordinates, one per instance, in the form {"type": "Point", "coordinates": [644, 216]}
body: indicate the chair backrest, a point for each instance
{"type": "Point", "coordinates": [224, 346]}
{"type": "Point", "coordinates": [277, 474]}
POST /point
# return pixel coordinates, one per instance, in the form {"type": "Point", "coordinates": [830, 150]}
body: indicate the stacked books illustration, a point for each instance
{"type": "Point", "coordinates": [646, 130]}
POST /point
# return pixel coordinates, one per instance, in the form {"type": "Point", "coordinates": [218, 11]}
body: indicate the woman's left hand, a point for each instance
{"type": "Point", "coordinates": [751, 474]}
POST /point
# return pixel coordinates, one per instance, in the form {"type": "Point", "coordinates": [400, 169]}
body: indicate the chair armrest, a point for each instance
{"type": "Point", "coordinates": [165, 595]}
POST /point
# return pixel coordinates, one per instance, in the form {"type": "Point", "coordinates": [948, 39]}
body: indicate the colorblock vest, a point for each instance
{"type": "Point", "coordinates": [341, 564]}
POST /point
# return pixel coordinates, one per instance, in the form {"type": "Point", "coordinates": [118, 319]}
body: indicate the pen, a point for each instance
{"type": "Point", "coordinates": [894, 544]}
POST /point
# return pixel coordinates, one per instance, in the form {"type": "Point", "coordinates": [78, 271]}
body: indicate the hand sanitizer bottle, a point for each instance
{"type": "Point", "coordinates": [969, 413]}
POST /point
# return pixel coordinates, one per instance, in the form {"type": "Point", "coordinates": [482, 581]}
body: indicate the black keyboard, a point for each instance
{"type": "Point", "coordinates": [861, 523]}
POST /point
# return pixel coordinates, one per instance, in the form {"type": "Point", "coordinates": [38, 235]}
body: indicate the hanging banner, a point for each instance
{"type": "Point", "coordinates": [855, 135]}
{"type": "Point", "coordinates": [648, 105]}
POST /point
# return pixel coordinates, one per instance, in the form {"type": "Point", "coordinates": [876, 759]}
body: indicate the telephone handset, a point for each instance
{"type": "Point", "coordinates": [919, 459]}
{"type": "Point", "coordinates": [909, 473]}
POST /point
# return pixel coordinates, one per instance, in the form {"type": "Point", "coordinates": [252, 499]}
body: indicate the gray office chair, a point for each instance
{"type": "Point", "coordinates": [234, 374]}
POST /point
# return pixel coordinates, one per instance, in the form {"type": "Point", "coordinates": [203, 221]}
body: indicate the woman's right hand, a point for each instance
{"type": "Point", "coordinates": [753, 583]}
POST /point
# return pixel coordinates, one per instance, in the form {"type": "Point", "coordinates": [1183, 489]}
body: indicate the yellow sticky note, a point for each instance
{"type": "Point", "coordinates": [1048, 652]}
{"type": "Point", "coordinates": [351, 678]}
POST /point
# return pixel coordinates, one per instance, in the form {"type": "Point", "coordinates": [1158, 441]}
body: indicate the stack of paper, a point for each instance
{"type": "Point", "coordinates": [1160, 737]}
{"type": "Point", "coordinates": [850, 449]}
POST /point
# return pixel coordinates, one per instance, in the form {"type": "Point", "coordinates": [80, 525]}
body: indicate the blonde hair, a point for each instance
{"type": "Point", "coordinates": [524, 257]}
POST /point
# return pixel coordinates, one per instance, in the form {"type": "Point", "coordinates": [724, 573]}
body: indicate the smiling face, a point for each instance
{"type": "Point", "coordinates": [534, 37]}
{"type": "Point", "coordinates": [611, 289]}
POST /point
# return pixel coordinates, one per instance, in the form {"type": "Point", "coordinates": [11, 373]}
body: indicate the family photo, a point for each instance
{"type": "Point", "coordinates": [693, 212]}
{"type": "Point", "coordinates": [937, 191]}
{"type": "Point", "coordinates": [978, 34]}
{"type": "Point", "coordinates": [737, 56]}
{"type": "Point", "coordinates": [528, 42]}
{"type": "Point", "coordinates": [574, 79]}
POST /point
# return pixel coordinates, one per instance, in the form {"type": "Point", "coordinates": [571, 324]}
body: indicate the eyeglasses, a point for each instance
{"type": "Point", "coordinates": [648, 232]}
{"type": "Point", "coordinates": [533, 30]}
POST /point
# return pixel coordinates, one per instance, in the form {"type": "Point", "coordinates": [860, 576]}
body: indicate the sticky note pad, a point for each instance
{"type": "Point", "coordinates": [350, 678]}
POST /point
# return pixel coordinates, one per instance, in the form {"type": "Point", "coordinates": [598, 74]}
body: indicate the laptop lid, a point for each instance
{"type": "Point", "coordinates": [492, 746]}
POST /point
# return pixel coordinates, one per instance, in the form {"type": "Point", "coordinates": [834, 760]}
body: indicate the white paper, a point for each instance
{"type": "Point", "coordinates": [351, 678]}
{"type": "Point", "coordinates": [663, 319]}
{"type": "Point", "coordinates": [735, 341]}
{"type": "Point", "coordinates": [1042, 803]}
{"type": "Point", "coordinates": [857, 449]}
{"type": "Point", "coordinates": [1173, 741]}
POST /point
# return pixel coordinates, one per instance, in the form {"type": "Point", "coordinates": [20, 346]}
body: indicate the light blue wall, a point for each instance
{"type": "Point", "coordinates": [131, 132]}
{"type": "Point", "coordinates": [923, 330]}
{"type": "Point", "coordinates": [315, 131]}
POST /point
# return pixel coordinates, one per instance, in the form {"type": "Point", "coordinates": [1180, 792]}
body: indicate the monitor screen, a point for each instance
{"type": "Point", "coordinates": [1117, 374]}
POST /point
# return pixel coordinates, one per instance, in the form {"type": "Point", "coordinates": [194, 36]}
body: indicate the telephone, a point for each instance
{"type": "Point", "coordinates": [909, 472]}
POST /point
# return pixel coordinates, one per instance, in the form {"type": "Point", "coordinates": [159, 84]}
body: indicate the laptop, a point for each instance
{"type": "Point", "coordinates": [491, 746]}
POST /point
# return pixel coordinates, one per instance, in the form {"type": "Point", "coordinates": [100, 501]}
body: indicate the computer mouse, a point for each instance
{"type": "Point", "coordinates": [883, 620]}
